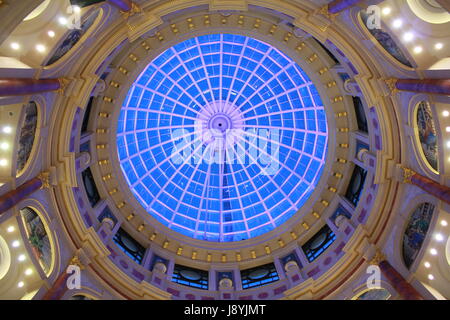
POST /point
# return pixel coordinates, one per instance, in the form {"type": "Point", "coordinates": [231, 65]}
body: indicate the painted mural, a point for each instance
{"type": "Point", "coordinates": [375, 294]}
{"type": "Point", "coordinates": [427, 134]}
{"type": "Point", "coordinates": [37, 237]}
{"type": "Point", "coordinates": [416, 231]}
{"type": "Point", "coordinates": [72, 38]}
{"type": "Point", "coordinates": [386, 41]}
{"type": "Point", "coordinates": [27, 135]}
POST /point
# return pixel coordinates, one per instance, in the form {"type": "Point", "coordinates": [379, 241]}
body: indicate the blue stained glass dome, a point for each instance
{"type": "Point", "coordinates": [222, 138]}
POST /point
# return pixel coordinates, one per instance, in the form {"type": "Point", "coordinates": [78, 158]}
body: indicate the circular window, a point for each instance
{"type": "Point", "coordinates": [222, 137]}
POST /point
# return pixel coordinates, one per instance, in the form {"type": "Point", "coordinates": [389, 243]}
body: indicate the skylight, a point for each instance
{"type": "Point", "coordinates": [222, 138]}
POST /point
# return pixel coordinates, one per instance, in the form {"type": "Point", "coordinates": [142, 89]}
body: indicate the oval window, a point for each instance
{"type": "Point", "coordinates": [190, 275]}
{"type": "Point", "coordinates": [258, 274]}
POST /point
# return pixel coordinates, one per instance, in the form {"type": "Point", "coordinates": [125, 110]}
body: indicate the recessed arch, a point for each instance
{"type": "Point", "coordinates": [426, 135]}
{"type": "Point", "coordinates": [39, 238]}
{"type": "Point", "coordinates": [27, 136]}
{"type": "Point", "coordinates": [416, 231]}
{"type": "Point", "coordinates": [5, 258]}
{"type": "Point", "coordinates": [72, 39]}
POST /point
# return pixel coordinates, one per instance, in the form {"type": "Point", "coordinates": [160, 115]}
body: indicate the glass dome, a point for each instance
{"type": "Point", "coordinates": [222, 138]}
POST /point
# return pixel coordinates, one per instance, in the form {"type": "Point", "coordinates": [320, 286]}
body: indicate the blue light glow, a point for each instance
{"type": "Point", "coordinates": [235, 82]}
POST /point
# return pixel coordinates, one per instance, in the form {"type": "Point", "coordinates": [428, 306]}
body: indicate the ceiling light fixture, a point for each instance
{"type": "Point", "coordinates": [438, 46]}
{"type": "Point", "coordinates": [62, 21]}
{"type": "Point", "coordinates": [386, 11]}
{"type": "Point", "coordinates": [397, 23]}
{"type": "Point", "coordinates": [15, 46]}
{"type": "Point", "coordinates": [7, 129]}
{"type": "Point", "coordinates": [40, 48]}
{"type": "Point", "coordinates": [408, 36]}
{"type": "Point", "coordinates": [418, 50]}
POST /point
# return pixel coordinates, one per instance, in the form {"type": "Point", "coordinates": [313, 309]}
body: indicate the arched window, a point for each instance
{"type": "Point", "coordinates": [319, 243]}
{"type": "Point", "coordinates": [416, 231]}
{"type": "Point", "coordinates": [426, 134]}
{"type": "Point", "coordinates": [356, 185]}
{"type": "Point", "coordinates": [90, 187]}
{"type": "Point", "coordinates": [129, 245]}
{"type": "Point", "coordinates": [259, 276]}
{"type": "Point", "coordinates": [38, 238]}
{"type": "Point", "coordinates": [190, 277]}
{"type": "Point", "coordinates": [27, 136]}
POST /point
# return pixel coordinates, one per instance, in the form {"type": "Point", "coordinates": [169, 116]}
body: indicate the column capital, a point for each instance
{"type": "Point", "coordinates": [63, 83]}
{"type": "Point", "coordinates": [135, 9]}
{"type": "Point", "coordinates": [392, 85]}
{"type": "Point", "coordinates": [325, 12]}
{"type": "Point", "coordinates": [378, 257]}
{"type": "Point", "coordinates": [45, 179]}
{"type": "Point", "coordinates": [407, 175]}
{"type": "Point", "coordinates": [75, 261]}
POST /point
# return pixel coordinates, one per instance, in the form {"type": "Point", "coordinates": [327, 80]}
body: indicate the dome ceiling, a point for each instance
{"type": "Point", "coordinates": [222, 137]}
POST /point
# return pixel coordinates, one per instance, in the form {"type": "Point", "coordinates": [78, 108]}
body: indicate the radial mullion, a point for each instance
{"type": "Point", "coordinates": [238, 192]}
{"type": "Point", "coordinates": [271, 179]}
{"type": "Point", "coordinates": [159, 164]}
{"type": "Point", "coordinates": [241, 55]}
{"type": "Point", "coordinates": [170, 179]}
{"type": "Point", "coordinates": [275, 97]}
{"type": "Point", "coordinates": [189, 74]}
{"type": "Point", "coordinates": [257, 192]}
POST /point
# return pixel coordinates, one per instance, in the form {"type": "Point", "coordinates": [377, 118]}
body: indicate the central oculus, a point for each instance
{"type": "Point", "coordinates": [222, 138]}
